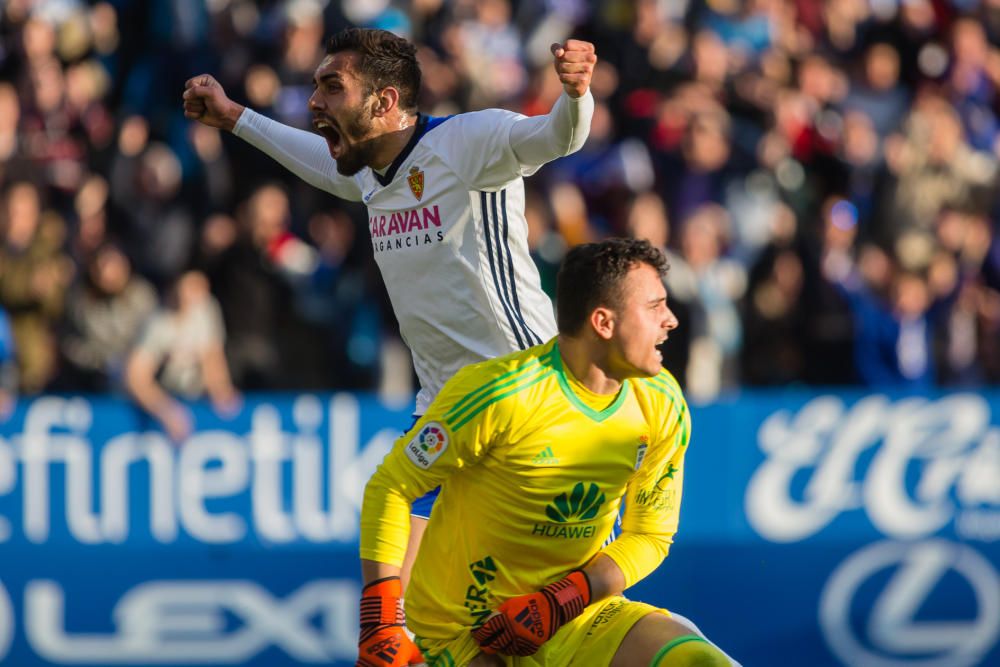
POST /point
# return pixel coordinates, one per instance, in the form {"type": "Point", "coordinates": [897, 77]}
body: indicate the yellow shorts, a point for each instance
{"type": "Point", "coordinates": [590, 639]}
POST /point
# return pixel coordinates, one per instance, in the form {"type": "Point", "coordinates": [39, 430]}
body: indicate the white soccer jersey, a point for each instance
{"type": "Point", "coordinates": [447, 227]}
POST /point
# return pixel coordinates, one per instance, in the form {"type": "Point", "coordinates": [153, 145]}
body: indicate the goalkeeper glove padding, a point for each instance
{"type": "Point", "coordinates": [525, 622]}
{"type": "Point", "coordinates": [383, 641]}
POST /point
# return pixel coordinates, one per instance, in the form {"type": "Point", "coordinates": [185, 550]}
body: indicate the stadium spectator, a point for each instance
{"type": "Point", "coordinates": [156, 222]}
{"type": "Point", "coordinates": [896, 312]}
{"type": "Point", "coordinates": [13, 162]}
{"type": "Point", "coordinates": [934, 167]}
{"type": "Point", "coordinates": [878, 93]}
{"type": "Point", "coordinates": [34, 275]}
{"type": "Point", "coordinates": [829, 324]}
{"type": "Point", "coordinates": [775, 334]}
{"type": "Point", "coordinates": [105, 312]}
{"type": "Point", "coordinates": [210, 177]}
{"type": "Point", "coordinates": [337, 298]}
{"type": "Point", "coordinates": [180, 354]}
{"type": "Point", "coordinates": [890, 106]}
{"type": "Point", "coordinates": [90, 208]}
{"type": "Point", "coordinates": [251, 265]}
{"type": "Point", "coordinates": [716, 331]}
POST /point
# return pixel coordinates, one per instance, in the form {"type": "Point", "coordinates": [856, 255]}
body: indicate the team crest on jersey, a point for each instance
{"type": "Point", "coordinates": [427, 445]}
{"type": "Point", "coordinates": [416, 181]}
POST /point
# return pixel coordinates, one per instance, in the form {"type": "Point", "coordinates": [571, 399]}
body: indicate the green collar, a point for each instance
{"type": "Point", "coordinates": [596, 415]}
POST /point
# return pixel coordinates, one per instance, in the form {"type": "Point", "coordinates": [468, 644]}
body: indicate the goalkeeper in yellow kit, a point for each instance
{"type": "Point", "coordinates": [536, 452]}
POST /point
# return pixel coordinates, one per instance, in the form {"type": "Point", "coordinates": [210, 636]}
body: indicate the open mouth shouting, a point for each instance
{"type": "Point", "coordinates": [334, 139]}
{"type": "Point", "coordinates": [660, 341]}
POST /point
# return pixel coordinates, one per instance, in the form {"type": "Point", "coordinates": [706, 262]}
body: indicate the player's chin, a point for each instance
{"type": "Point", "coordinates": [654, 364]}
{"type": "Point", "coordinates": [649, 367]}
{"type": "Point", "coordinates": [348, 164]}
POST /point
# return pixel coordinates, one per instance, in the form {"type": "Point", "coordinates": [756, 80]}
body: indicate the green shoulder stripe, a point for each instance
{"type": "Point", "coordinates": [507, 379]}
{"type": "Point", "coordinates": [663, 381]}
{"type": "Point", "coordinates": [456, 422]}
{"type": "Point", "coordinates": [677, 399]}
{"type": "Point", "coordinates": [661, 386]}
{"type": "Point", "coordinates": [685, 434]}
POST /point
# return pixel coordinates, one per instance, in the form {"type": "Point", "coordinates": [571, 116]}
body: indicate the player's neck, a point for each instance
{"type": "Point", "coordinates": [588, 364]}
{"type": "Point", "coordinates": [392, 142]}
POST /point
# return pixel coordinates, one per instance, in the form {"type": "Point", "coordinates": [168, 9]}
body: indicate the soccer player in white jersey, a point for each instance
{"type": "Point", "coordinates": [445, 196]}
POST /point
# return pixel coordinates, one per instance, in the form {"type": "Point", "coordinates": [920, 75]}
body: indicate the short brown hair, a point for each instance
{"type": "Point", "coordinates": [592, 275]}
{"type": "Point", "coordinates": [386, 60]}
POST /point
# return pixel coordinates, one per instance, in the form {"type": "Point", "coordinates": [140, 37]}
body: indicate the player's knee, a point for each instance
{"type": "Point", "coordinates": [690, 651]}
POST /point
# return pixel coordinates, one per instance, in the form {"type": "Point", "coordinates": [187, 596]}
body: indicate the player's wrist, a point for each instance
{"type": "Point", "coordinates": [386, 586]}
{"type": "Point", "coordinates": [383, 641]}
{"type": "Point", "coordinates": [381, 604]}
{"type": "Point", "coordinates": [570, 595]}
{"type": "Point", "coordinates": [581, 580]}
{"type": "Point", "coordinates": [231, 116]}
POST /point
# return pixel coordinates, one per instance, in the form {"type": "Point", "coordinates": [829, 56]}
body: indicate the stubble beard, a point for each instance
{"type": "Point", "coordinates": [360, 155]}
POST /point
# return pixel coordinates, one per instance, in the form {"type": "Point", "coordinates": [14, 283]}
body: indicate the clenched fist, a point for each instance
{"type": "Point", "coordinates": [574, 63]}
{"type": "Point", "coordinates": [206, 101]}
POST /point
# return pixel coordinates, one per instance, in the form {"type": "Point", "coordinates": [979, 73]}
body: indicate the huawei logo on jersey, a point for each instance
{"type": "Point", "coordinates": [416, 181]}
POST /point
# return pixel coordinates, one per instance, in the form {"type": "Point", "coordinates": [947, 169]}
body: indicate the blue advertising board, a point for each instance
{"type": "Point", "coordinates": [816, 529]}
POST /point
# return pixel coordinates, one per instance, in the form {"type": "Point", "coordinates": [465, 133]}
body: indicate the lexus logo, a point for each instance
{"type": "Point", "coordinates": [878, 609]}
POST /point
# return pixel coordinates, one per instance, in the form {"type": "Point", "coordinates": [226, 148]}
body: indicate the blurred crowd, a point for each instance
{"type": "Point", "coordinates": [822, 175]}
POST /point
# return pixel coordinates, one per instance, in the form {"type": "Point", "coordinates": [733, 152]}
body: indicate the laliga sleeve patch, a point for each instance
{"type": "Point", "coordinates": [427, 445]}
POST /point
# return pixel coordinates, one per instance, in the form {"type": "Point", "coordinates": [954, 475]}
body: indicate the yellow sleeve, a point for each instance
{"type": "Point", "coordinates": [445, 440]}
{"type": "Point", "coordinates": [653, 499]}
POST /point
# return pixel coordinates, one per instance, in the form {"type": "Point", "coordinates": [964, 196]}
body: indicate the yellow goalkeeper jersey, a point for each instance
{"type": "Point", "coordinates": [533, 471]}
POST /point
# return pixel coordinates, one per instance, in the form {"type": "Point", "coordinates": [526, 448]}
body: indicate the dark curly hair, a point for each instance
{"type": "Point", "coordinates": [593, 275]}
{"type": "Point", "coordinates": [386, 60]}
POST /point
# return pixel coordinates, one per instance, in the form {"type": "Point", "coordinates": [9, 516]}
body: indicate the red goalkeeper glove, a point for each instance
{"type": "Point", "coordinates": [525, 622]}
{"type": "Point", "coordinates": [383, 641]}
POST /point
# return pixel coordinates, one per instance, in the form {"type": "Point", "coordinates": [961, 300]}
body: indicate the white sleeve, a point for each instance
{"type": "Point", "coordinates": [562, 131]}
{"type": "Point", "coordinates": [490, 148]}
{"type": "Point", "coordinates": [303, 153]}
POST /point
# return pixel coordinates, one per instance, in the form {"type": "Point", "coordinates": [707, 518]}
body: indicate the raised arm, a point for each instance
{"type": "Point", "coordinates": [303, 153]}
{"type": "Point", "coordinates": [488, 149]}
{"type": "Point", "coordinates": [540, 139]}
{"type": "Point", "coordinates": [140, 381]}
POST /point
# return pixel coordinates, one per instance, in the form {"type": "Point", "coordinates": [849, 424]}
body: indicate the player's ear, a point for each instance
{"type": "Point", "coordinates": [386, 100]}
{"type": "Point", "coordinates": [603, 322]}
